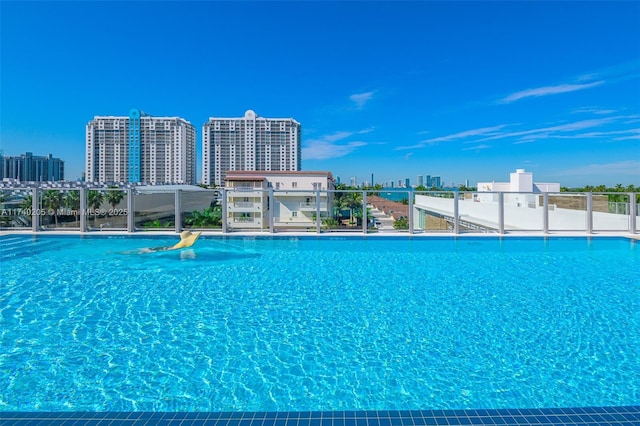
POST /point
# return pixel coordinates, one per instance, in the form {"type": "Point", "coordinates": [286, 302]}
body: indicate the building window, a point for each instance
{"type": "Point", "coordinates": [294, 184]}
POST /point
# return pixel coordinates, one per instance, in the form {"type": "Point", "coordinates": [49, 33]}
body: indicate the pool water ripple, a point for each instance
{"type": "Point", "coordinates": [306, 324]}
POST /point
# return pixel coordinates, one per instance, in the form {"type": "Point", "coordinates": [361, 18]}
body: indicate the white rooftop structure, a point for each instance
{"type": "Point", "coordinates": [520, 181]}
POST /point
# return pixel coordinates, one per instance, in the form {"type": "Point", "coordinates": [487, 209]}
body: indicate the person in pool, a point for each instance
{"type": "Point", "coordinates": [187, 239]}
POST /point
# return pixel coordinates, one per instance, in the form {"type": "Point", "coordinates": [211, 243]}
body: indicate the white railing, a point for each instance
{"type": "Point", "coordinates": [85, 209]}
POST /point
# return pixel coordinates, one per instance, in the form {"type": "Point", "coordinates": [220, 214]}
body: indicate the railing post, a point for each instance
{"type": "Point", "coordinates": [177, 211]}
{"type": "Point", "coordinates": [317, 211]}
{"type": "Point", "coordinates": [83, 209]}
{"type": "Point", "coordinates": [35, 209]}
{"type": "Point", "coordinates": [271, 202]}
{"type": "Point", "coordinates": [456, 216]}
{"type": "Point", "coordinates": [225, 213]}
{"type": "Point", "coordinates": [545, 213]}
{"type": "Point", "coordinates": [131, 215]}
{"type": "Point", "coordinates": [633, 212]}
{"type": "Point", "coordinates": [589, 213]}
{"type": "Point", "coordinates": [501, 213]}
{"type": "Point", "coordinates": [410, 218]}
{"type": "Point", "coordinates": [364, 212]}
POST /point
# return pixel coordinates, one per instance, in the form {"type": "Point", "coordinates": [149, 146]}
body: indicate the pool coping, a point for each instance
{"type": "Point", "coordinates": [346, 234]}
{"type": "Point", "coordinates": [623, 415]}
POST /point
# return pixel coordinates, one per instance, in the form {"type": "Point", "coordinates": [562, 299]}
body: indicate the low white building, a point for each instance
{"type": "Point", "coordinates": [520, 183]}
{"type": "Point", "coordinates": [298, 197]}
{"type": "Point", "coordinates": [522, 208]}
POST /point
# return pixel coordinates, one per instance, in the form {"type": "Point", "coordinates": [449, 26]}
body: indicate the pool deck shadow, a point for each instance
{"type": "Point", "coordinates": [629, 415]}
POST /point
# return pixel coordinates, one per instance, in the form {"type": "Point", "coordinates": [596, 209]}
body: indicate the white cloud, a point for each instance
{"type": "Point", "coordinates": [626, 134]}
{"type": "Point", "coordinates": [627, 168]}
{"type": "Point", "coordinates": [625, 138]}
{"type": "Point", "coordinates": [559, 131]}
{"type": "Point", "coordinates": [476, 148]}
{"type": "Point", "coordinates": [549, 90]}
{"type": "Point", "coordinates": [546, 132]}
{"type": "Point", "coordinates": [327, 146]}
{"type": "Point", "coordinates": [455, 136]}
{"type": "Point", "coordinates": [408, 155]}
{"type": "Point", "coordinates": [594, 110]}
{"type": "Point", "coordinates": [361, 99]}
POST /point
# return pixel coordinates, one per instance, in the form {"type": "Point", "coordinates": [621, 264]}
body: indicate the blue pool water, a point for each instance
{"type": "Point", "coordinates": [265, 324]}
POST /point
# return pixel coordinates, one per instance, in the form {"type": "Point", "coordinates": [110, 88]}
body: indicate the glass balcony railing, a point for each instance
{"type": "Point", "coordinates": [449, 212]}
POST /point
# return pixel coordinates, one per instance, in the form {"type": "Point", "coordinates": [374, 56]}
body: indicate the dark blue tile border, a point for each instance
{"type": "Point", "coordinates": [590, 416]}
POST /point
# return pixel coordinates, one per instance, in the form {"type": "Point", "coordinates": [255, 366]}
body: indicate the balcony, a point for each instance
{"type": "Point", "coordinates": [311, 206]}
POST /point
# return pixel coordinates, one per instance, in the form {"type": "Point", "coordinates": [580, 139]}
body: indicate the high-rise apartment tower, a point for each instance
{"type": "Point", "coordinates": [249, 143]}
{"type": "Point", "coordinates": [141, 148]}
{"type": "Point", "coordinates": [29, 167]}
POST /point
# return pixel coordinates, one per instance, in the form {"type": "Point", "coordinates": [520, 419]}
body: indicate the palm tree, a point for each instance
{"type": "Point", "coordinates": [52, 200]}
{"type": "Point", "coordinates": [114, 197]}
{"type": "Point", "coordinates": [353, 202]}
{"type": "Point", "coordinates": [27, 203]}
{"type": "Point", "coordinates": [94, 201]}
{"type": "Point", "coordinates": [209, 217]}
{"type": "Point", "coordinates": [72, 202]}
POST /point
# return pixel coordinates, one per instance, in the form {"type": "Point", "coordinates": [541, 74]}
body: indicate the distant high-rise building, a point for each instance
{"type": "Point", "coordinates": [407, 183]}
{"type": "Point", "coordinates": [435, 181]}
{"type": "Point", "coordinates": [249, 143]}
{"type": "Point", "coordinates": [428, 181]}
{"type": "Point", "coordinates": [420, 180]}
{"type": "Point", "coordinates": [28, 167]}
{"type": "Point", "coordinates": [140, 148]}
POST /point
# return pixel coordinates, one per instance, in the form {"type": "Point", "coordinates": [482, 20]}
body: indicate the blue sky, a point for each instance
{"type": "Point", "coordinates": [463, 90]}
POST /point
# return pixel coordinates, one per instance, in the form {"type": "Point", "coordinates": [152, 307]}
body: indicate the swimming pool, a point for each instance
{"type": "Point", "coordinates": [270, 324]}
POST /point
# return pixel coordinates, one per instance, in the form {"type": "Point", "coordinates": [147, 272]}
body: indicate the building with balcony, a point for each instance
{"type": "Point", "coordinates": [294, 199]}
{"type": "Point", "coordinates": [140, 148]}
{"type": "Point", "coordinates": [249, 143]}
{"type": "Point", "coordinates": [31, 168]}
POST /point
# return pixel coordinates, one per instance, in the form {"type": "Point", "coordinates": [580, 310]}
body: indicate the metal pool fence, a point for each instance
{"type": "Point", "coordinates": [267, 210]}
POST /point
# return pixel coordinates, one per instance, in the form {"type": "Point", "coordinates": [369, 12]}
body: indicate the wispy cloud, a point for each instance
{"type": "Point", "coordinates": [627, 168]}
{"type": "Point", "coordinates": [594, 110]}
{"type": "Point", "coordinates": [329, 146]}
{"type": "Point", "coordinates": [571, 130]}
{"type": "Point", "coordinates": [477, 148]}
{"type": "Point", "coordinates": [551, 131]}
{"type": "Point", "coordinates": [626, 138]}
{"type": "Point", "coordinates": [549, 90]}
{"type": "Point", "coordinates": [484, 131]}
{"type": "Point", "coordinates": [360, 99]}
{"type": "Point", "coordinates": [612, 74]}
{"type": "Point", "coordinates": [615, 73]}
{"type": "Point", "coordinates": [620, 135]}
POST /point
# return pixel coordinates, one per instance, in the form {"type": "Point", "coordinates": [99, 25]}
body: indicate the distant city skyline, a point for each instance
{"type": "Point", "coordinates": [461, 90]}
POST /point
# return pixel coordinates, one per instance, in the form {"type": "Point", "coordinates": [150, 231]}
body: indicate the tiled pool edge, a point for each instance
{"type": "Point", "coordinates": [626, 415]}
